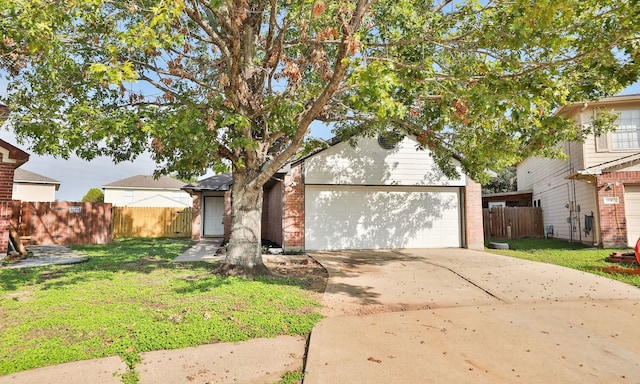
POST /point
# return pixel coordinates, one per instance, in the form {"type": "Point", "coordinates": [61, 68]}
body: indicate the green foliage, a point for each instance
{"type": "Point", "coordinates": [94, 195]}
{"type": "Point", "coordinates": [129, 298]}
{"type": "Point", "coordinates": [203, 86]}
{"type": "Point", "coordinates": [293, 377]}
{"type": "Point", "coordinates": [566, 254]}
{"type": "Point", "coordinates": [505, 181]}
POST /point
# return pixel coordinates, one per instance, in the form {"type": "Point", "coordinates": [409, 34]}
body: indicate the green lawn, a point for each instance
{"type": "Point", "coordinates": [572, 255]}
{"type": "Point", "coordinates": [128, 298]}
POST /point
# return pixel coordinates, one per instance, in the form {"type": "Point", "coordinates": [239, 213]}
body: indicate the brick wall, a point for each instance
{"type": "Point", "coordinates": [6, 179]}
{"type": "Point", "coordinates": [196, 218]}
{"type": "Point", "coordinates": [6, 192]}
{"type": "Point", "coordinates": [272, 214]}
{"type": "Point", "coordinates": [293, 223]}
{"type": "Point", "coordinates": [474, 231]}
{"type": "Point", "coordinates": [227, 215]}
{"type": "Point", "coordinates": [612, 217]}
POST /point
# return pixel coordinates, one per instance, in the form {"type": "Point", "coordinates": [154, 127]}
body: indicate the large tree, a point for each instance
{"type": "Point", "coordinates": [237, 83]}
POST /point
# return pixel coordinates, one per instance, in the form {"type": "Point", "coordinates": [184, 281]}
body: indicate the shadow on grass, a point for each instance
{"type": "Point", "coordinates": [142, 256]}
{"type": "Point", "coordinates": [137, 256]}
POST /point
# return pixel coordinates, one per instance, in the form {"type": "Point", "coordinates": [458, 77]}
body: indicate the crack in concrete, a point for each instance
{"type": "Point", "coordinates": [460, 276]}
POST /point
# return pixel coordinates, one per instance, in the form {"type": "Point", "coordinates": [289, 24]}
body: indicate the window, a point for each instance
{"type": "Point", "coordinates": [180, 196]}
{"type": "Point", "coordinates": [627, 134]}
{"type": "Point", "coordinates": [389, 140]}
{"type": "Point", "coordinates": [128, 196]}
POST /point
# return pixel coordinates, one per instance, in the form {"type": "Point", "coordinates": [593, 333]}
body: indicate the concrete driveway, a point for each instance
{"type": "Point", "coordinates": [462, 316]}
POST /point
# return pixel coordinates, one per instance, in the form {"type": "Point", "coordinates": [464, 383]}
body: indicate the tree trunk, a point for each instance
{"type": "Point", "coordinates": [244, 252]}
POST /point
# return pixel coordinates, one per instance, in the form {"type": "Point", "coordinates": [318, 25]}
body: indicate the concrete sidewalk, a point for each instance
{"type": "Point", "coordinates": [204, 250]}
{"type": "Point", "coordinates": [471, 317]}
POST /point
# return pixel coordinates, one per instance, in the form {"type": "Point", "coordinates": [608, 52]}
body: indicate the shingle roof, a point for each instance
{"type": "Point", "coordinates": [214, 183]}
{"type": "Point", "coordinates": [147, 182]}
{"type": "Point", "coordinates": [620, 163]}
{"type": "Point", "coordinates": [24, 176]}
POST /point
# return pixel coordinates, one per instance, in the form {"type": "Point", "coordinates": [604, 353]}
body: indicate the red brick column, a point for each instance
{"type": "Point", "coordinates": [474, 233]}
{"type": "Point", "coordinates": [196, 217]}
{"type": "Point", "coordinates": [227, 215]}
{"type": "Point", "coordinates": [612, 216]}
{"type": "Point", "coordinates": [293, 220]}
{"type": "Point", "coordinates": [6, 193]}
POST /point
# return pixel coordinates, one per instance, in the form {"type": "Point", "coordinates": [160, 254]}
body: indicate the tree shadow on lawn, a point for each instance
{"type": "Point", "coordinates": [137, 256]}
{"type": "Point", "coordinates": [142, 256]}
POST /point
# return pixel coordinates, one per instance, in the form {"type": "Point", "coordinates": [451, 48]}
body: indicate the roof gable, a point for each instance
{"type": "Point", "coordinates": [214, 183]}
{"type": "Point", "coordinates": [28, 177]}
{"type": "Point", "coordinates": [146, 182]}
{"type": "Point", "coordinates": [368, 163]}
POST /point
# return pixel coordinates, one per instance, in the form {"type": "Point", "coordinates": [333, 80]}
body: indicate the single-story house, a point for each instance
{"type": "Point", "coordinates": [375, 195]}
{"type": "Point", "coordinates": [30, 186]}
{"type": "Point", "coordinates": [147, 191]}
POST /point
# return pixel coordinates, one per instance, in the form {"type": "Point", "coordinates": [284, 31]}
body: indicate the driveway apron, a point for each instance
{"type": "Point", "coordinates": [463, 316]}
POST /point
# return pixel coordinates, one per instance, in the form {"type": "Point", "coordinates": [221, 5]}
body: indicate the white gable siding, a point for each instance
{"type": "Point", "coordinates": [34, 192]}
{"type": "Point", "coordinates": [369, 164]}
{"type": "Point", "coordinates": [131, 197]}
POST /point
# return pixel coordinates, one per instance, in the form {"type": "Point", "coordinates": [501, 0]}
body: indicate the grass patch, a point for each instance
{"type": "Point", "coordinates": [129, 298]}
{"type": "Point", "coordinates": [566, 254]}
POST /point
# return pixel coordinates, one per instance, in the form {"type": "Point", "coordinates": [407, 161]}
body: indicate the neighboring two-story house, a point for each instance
{"type": "Point", "coordinates": [147, 191]}
{"type": "Point", "coordinates": [594, 195]}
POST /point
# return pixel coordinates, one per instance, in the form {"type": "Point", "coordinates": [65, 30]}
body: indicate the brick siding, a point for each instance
{"type": "Point", "coordinates": [474, 231]}
{"type": "Point", "coordinates": [272, 214]}
{"type": "Point", "coordinates": [6, 193]}
{"type": "Point", "coordinates": [613, 222]}
{"type": "Point", "coordinates": [293, 223]}
{"type": "Point", "coordinates": [227, 215]}
{"type": "Point", "coordinates": [196, 218]}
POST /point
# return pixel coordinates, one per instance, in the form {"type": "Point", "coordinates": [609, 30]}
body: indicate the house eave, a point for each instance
{"type": "Point", "coordinates": [588, 177]}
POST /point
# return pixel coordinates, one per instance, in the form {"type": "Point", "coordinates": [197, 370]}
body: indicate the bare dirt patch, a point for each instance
{"type": "Point", "coordinates": [302, 267]}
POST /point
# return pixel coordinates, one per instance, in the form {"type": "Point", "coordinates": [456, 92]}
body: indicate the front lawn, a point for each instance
{"type": "Point", "coordinates": [572, 255]}
{"type": "Point", "coordinates": [129, 298]}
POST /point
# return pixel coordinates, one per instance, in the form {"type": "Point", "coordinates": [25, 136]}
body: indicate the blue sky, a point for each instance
{"type": "Point", "coordinates": [77, 176]}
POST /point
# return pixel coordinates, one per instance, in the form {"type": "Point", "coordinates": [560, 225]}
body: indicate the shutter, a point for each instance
{"type": "Point", "coordinates": [602, 143]}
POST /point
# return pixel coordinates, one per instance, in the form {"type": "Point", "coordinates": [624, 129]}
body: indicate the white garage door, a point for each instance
{"type": "Point", "coordinates": [358, 217]}
{"type": "Point", "coordinates": [632, 210]}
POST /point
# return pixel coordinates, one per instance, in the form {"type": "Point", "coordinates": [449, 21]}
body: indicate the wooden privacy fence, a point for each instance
{"type": "Point", "coordinates": [151, 222]}
{"type": "Point", "coordinates": [512, 222]}
{"type": "Point", "coordinates": [62, 223]}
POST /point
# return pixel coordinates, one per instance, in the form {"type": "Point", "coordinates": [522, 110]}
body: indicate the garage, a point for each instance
{"type": "Point", "coordinates": [632, 209]}
{"type": "Point", "coordinates": [381, 217]}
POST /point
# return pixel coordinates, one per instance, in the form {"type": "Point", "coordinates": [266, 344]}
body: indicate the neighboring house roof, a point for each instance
{"type": "Point", "coordinates": [513, 193]}
{"type": "Point", "coordinates": [569, 109]}
{"type": "Point", "coordinates": [4, 111]}
{"type": "Point", "coordinates": [146, 182]}
{"type": "Point", "coordinates": [607, 166]}
{"type": "Point", "coordinates": [11, 154]}
{"type": "Point", "coordinates": [28, 177]}
{"type": "Point", "coordinates": [214, 183]}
